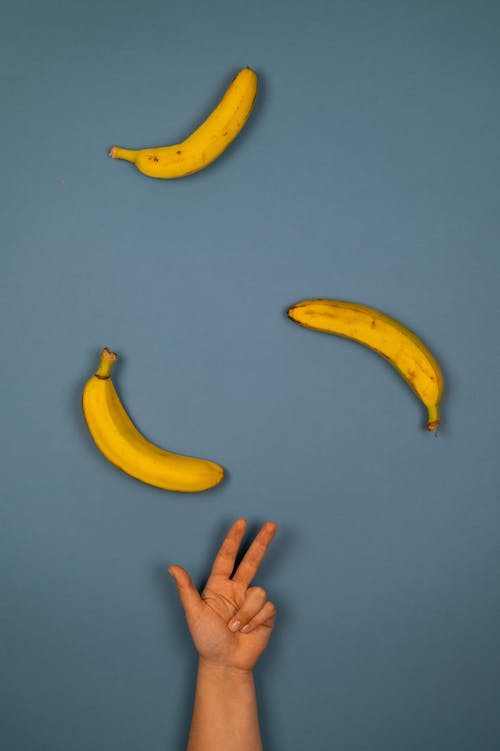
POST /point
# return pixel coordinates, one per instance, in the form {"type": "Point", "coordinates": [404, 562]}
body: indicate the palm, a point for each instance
{"type": "Point", "coordinates": [224, 597]}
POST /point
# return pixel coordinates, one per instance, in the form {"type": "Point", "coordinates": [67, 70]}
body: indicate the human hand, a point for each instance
{"type": "Point", "coordinates": [230, 622]}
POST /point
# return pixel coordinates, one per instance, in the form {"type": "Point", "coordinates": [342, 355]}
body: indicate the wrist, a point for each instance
{"type": "Point", "coordinates": [220, 671]}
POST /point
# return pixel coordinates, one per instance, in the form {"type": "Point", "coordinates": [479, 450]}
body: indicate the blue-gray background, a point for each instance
{"type": "Point", "coordinates": [369, 171]}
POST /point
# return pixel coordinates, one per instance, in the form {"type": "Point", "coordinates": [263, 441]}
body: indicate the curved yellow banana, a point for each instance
{"type": "Point", "coordinates": [207, 142]}
{"type": "Point", "coordinates": [119, 440]}
{"type": "Point", "coordinates": [400, 346]}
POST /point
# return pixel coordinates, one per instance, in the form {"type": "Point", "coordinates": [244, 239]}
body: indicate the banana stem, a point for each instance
{"type": "Point", "coordinates": [434, 419]}
{"type": "Point", "coordinates": [108, 359]}
{"type": "Point", "coordinates": [130, 155]}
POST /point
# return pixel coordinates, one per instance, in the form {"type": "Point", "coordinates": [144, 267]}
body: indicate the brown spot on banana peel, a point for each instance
{"type": "Point", "coordinates": [411, 375]}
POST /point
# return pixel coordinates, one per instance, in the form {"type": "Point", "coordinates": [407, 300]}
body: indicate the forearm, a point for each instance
{"type": "Point", "coordinates": [225, 711]}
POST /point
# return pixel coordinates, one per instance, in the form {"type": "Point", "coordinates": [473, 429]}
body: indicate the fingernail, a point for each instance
{"type": "Point", "coordinates": [234, 625]}
{"type": "Point", "coordinates": [245, 628]}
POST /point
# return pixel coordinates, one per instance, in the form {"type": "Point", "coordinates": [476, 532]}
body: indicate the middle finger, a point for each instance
{"type": "Point", "coordinates": [253, 557]}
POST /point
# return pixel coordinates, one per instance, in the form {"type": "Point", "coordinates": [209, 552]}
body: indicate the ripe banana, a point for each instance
{"type": "Point", "coordinates": [400, 346]}
{"type": "Point", "coordinates": [120, 441]}
{"type": "Point", "coordinates": [206, 143]}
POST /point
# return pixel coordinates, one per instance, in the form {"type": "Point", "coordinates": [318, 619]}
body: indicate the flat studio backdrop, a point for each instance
{"type": "Point", "coordinates": [368, 171]}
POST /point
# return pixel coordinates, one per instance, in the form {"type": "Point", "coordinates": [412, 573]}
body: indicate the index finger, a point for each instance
{"type": "Point", "coordinates": [226, 557]}
{"type": "Point", "coordinates": [253, 557]}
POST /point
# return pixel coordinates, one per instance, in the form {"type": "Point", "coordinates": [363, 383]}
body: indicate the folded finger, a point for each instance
{"type": "Point", "coordinates": [254, 601]}
{"type": "Point", "coordinates": [265, 617]}
{"type": "Point", "coordinates": [253, 557]}
{"type": "Point", "coordinates": [226, 557]}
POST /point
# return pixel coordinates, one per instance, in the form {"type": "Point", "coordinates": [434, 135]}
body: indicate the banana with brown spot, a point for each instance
{"type": "Point", "coordinates": [385, 335]}
{"type": "Point", "coordinates": [207, 142]}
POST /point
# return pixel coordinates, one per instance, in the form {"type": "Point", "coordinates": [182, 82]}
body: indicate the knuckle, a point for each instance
{"type": "Point", "coordinates": [260, 591]}
{"type": "Point", "coordinates": [271, 607]}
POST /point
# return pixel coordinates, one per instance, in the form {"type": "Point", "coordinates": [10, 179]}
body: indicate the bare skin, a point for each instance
{"type": "Point", "coordinates": [230, 624]}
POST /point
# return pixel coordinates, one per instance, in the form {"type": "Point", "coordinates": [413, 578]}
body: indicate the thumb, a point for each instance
{"type": "Point", "coordinates": [188, 594]}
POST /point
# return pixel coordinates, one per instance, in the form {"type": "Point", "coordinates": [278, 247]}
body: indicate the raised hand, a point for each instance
{"type": "Point", "coordinates": [230, 622]}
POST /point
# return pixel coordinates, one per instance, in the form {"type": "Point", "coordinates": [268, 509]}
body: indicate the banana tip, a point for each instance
{"type": "Point", "coordinates": [109, 355]}
{"type": "Point", "coordinates": [112, 152]}
{"type": "Point", "coordinates": [433, 426]}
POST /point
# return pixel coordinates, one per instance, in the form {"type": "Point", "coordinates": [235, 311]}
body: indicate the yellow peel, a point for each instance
{"type": "Point", "coordinates": [385, 335]}
{"type": "Point", "coordinates": [123, 445]}
{"type": "Point", "coordinates": [207, 142]}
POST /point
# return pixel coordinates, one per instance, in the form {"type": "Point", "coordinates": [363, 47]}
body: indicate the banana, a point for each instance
{"type": "Point", "coordinates": [122, 444]}
{"type": "Point", "coordinates": [400, 346]}
{"type": "Point", "coordinates": [206, 143]}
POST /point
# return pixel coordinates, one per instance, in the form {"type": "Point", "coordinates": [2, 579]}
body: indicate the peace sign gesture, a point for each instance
{"type": "Point", "coordinates": [230, 622]}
